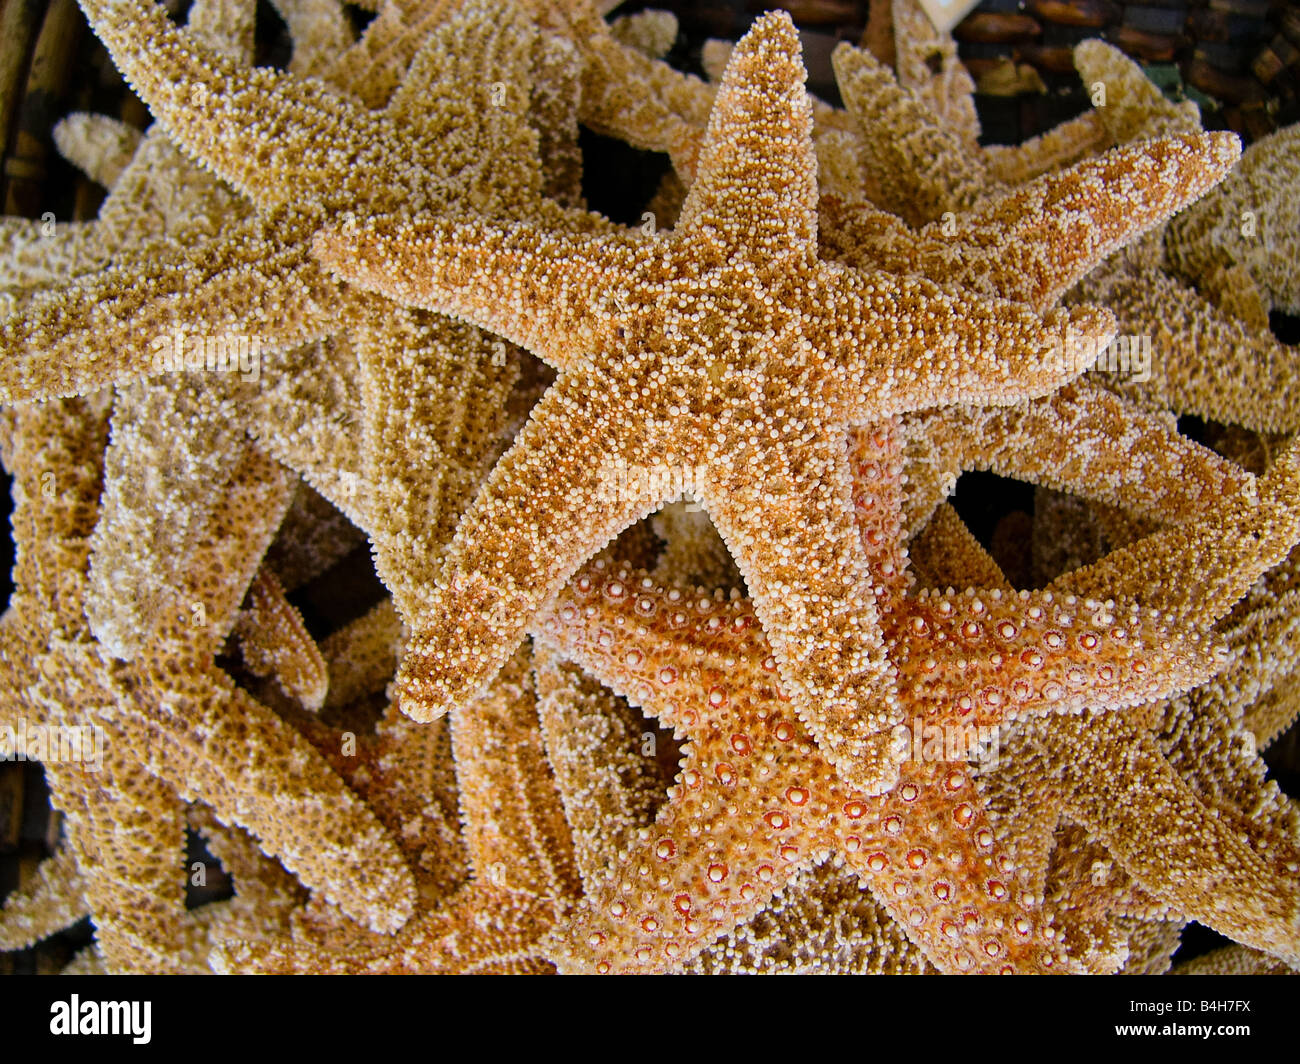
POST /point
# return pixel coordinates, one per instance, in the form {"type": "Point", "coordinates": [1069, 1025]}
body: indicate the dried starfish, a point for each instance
{"type": "Point", "coordinates": [150, 712]}
{"type": "Point", "coordinates": [716, 373]}
{"type": "Point", "coordinates": [698, 665]}
{"type": "Point", "coordinates": [1240, 241]}
{"type": "Point", "coordinates": [520, 855]}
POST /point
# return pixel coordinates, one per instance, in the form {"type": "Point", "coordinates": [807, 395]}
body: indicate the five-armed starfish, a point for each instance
{"type": "Point", "coordinates": [725, 357]}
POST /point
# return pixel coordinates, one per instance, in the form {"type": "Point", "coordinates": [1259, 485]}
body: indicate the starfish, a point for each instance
{"type": "Point", "coordinates": [747, 357]}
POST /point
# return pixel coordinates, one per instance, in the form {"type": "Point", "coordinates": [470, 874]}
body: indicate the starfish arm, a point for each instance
{"type": "Point", "coordinates": [56, 461]}
{"type": "Point", "coordinates": [361, 657]}
{"type": "Point", "coordinates": [304, 415]}
{"type": "Point", "coordinates": [1234, 960]}
{"type": "Point", "coordinates": [574, 490]}
{"type": "Point", "coordinates": [534, 286]}
{"type": "Point", "coordinates": [787, 518]}
{"type": "Point", "coordinates": [1218, 242]}
{"type": "Point", "coordinates": [320, 30]}
{"type": "Point", "coordinates": [1205, 362]}
{"type": "Point", "coordinates": [98, 145]}
{"type": "Point", "coordinates": [944, 553]}
{"type": "Point", "coordinates": [35, 253]}
{"type": "Point", "coordinates": [53, 899]}
{"type": "Point", "coordinates": [1135, 107]}
{"type": "Point", "coordinates": [595, 745]}
{"type": "Point", "coordinates": [626, 94]}
{"type": "Point", "coordinates": [198, 609]}
{"type": "Point", "coordinates": [123, 322]}
{"type": "Point", "coordinates": [1195, 572]}
{"type": "Point", "coordinates": [515, 829]}
{"type": "Point", "coordinates": [903, 344]}
{"type": "Point", "coordinates": [484, 931]}
{"type": "Point", "coordinates": [131, 826]}
{"type": "Point", "coordinates": [1034, 242]}
{"type": "Point", "coordinates": [1061, 146]}
{"type": "Point", "coordinates": [433, 396]}
{"type": "Point", "coordinates": [268, 134]}
{"type": "Point", "coordinates": [1032, 653]}
{"type": "Point", "coordinates": [553, 112]}
{"type": "Point", "coordinates": [275, 642]}
{"type": "Point", "coordinates": [1136, 803]}
{"type": "Point", "coordinates": [927, 63]}
{"type": "Point", "coordinates": [1088, 442]}
{"type": "Point", "coordinates": [373, 66]}
{"type": "Point", "coordinates": [215, 743]}
{"type": "Point", "coordinates": [921, 168]}
{"type": "Point", "coordinates": [169, 439]}
{"type": "Point", "coordinates": [756, 180]}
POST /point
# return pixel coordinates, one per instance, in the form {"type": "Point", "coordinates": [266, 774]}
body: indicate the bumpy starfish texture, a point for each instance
{"type": "Point", "coordinates": [1244, 233]}
{"type": "Point", "coordinates": [746, 359]}
{"type": "Point", "coordinates": [519, 850]}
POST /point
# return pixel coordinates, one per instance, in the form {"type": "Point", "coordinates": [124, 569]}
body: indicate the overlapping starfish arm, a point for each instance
{"type": "Point", "coordinates": [361, 657]}
{"type": "Point", "coordinates": [595, 744]}
{"type": "Point", "coordinates": [229, 131]}
{"type": "Point", "coordinates": [131, 832]}
{"type": "Point", "coordinates": [553, 113]}
{"type": "Point", "coordinates": [1034, 242]}
{"type": "Point", "coordinates": [515, 830]}
{"type": "Point", "coordinates": [926, 62]}
{"type": "Point", "coordinates": [625, 93]}
{"type": "Point", "coordinates": [139, 550]}
{"type": "Point", "coordinates": [1028, 653]}
{"type": "Point", "coordinates": [321, 34]}
{"type": "Point", "coordinates": [121, 323]}
{"type": "Point", "coordinates": [1060, 146]}
{"type": "Point", "coordinates": [275, 642]}
{"type": "Point", "coordinates": [372, 67]}
{"type": "Point", "coordinates": [198, 609]}
{"type": "Point", "coordinates": [791, 530]}
{"type": "Point", "coordinates": [1227, 385]}
{"type": "Point", "coordinates": [246, 749]}
{"type": "Point", "coordinates": [921, 168]}
{"type": "Point", "coordinates": [1195, 572]}
{"type": "Point", "coordinates": [542, 288]}
{"type": "Point", "coordinates": [99, 145]}
{"type": "Point", "coordinates": [52, 900]}
{"type": "Point", "coordinates": [433, 402]}
{"type": "Point", "coordinates": [903, 343]}
{"type": "Point", "coordinates": [1124, 790]}
{"type": "Point", "coordinates": [1083, 440]}
{"type": "Point", "coordinates": [521, 857]}
{"type": "Point", "coordinates": [495, 578]}
{"type": "Point", "coordinates": [304, 415]}
{"type": "Point", "coordinates": [1135, 109]}
{"type": "Point", "coordinates": [1247, 226]}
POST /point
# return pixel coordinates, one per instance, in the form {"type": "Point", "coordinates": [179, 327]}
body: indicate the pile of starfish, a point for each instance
{"type": "Point", "coordinates": [685, 662]}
